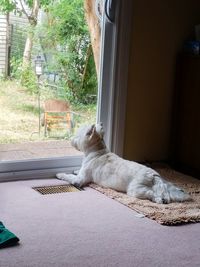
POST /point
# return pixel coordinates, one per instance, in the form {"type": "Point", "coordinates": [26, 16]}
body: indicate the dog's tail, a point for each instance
{"type": "Point", "coordinates": [166, 192]}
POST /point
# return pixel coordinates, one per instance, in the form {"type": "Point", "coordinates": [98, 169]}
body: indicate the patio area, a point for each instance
{"type": "Point", "coordinates": [33, 150]}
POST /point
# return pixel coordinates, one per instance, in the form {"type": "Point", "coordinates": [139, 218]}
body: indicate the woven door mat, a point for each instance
{"type": "Point", "coordinates": [166, 214]}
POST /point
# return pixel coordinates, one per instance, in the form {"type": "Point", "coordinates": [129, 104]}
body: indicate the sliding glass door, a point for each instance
{"type": "Point", "coordinates": [111, 100]}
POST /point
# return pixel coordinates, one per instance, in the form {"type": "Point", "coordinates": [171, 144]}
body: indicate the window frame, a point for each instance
{"type": "Point", "coordinates": [114, 75]}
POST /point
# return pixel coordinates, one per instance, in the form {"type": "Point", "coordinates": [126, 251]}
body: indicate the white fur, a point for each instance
{"type": "Point", "coordinates": [108, 170]}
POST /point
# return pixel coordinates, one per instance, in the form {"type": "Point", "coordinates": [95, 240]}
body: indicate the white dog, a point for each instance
{"type": "Point", "coordinates": [108, 170]}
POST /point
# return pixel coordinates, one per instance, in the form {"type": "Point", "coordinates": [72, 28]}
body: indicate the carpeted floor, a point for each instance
{"type": "Point", "coordinates": [86, 228]}
{"type": "Point", "coordinates": [171, 214]}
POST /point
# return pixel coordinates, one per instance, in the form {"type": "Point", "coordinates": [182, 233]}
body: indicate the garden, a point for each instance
{"type": "Point", "coordinates": [19, 115]}
{"type": "Point", "coordinates": [60, 37]}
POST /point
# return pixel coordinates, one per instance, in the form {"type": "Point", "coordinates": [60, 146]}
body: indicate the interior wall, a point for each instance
{"type": "Point", "coordinates": [159, 30]}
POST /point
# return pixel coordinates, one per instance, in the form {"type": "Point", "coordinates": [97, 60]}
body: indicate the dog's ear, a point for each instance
{"type": "Point", "coordinates": [91, 130]}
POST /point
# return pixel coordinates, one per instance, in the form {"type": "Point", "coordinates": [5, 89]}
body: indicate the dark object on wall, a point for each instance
{"type": "Point", "coordinates": [186, 130]}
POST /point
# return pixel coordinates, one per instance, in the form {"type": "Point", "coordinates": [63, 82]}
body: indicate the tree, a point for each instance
{"type": "Point", "coordinates": [94, 29]}
{"type": "Point", "coordinates": [30, 9]}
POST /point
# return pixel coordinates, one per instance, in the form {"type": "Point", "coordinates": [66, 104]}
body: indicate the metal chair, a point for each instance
{"type": "Point", "coordinates": [57, 115]}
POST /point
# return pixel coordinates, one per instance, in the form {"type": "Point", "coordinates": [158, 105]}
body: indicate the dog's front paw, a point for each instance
{"type": "Point", "coordinates": [61, 176]}
{"type": "Point", "coordinates": [70, 178]}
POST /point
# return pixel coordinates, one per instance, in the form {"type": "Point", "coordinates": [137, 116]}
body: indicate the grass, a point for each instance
{"type": "Point", "coordinates": [19, 120]}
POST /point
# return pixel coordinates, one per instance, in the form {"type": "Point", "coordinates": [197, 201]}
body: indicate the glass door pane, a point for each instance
{"type": "Point", "coordinates": [42, 105]}
{"type": "Point", "coordinates": [27, 148]}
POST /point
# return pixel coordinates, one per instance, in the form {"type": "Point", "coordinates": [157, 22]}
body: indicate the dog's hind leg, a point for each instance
{"type": "Point", "coordinates": [140, 191]}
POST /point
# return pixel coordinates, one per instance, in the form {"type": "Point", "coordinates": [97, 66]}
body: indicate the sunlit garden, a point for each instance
{"type": "Point", "coordinates": [19, 115]}
{"type": "Point", "coordinates": [58, 35]}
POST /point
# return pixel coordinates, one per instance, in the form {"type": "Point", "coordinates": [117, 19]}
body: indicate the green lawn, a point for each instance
{"type": "Point", "coordinates": [19, 115]}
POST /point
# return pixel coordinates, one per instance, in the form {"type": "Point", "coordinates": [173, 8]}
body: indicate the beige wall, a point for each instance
{"type": "Point", "coordinates": [159, 30]}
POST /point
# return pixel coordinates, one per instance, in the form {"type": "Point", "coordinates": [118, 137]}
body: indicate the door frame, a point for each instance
{"type": "Point", "coordinates": [114, 75]}
{"type": "Point", "coordinates": [113, 84]}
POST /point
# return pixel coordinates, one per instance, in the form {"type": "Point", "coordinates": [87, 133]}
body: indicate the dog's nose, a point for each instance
{"type": "Point", "coordinates": [101, 124]}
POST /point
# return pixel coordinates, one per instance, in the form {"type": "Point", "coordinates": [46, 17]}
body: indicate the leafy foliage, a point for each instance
{"type": "Point", "coordinates": [29, 80]}
{"type": "Point", "coordinates": [64, 40]}
{"type": "Point", "coordinates": [67, 39]}
{"type": "Point", "coordinates": [7, 6]}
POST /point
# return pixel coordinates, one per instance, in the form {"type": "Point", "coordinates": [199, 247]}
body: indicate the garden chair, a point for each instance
{"type": "Point", "coordinates": [57, 115]}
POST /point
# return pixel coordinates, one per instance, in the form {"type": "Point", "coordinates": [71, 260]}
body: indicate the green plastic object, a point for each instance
{"type": "Point", "coordinates": [7, 238]}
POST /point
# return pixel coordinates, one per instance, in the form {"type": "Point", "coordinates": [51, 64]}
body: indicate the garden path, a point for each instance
{"type": "Point", "coordinates": [33, 150]}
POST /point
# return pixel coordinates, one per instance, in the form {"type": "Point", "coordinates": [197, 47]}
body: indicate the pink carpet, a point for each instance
{"type": "Point", "coordinates": [88, 229]}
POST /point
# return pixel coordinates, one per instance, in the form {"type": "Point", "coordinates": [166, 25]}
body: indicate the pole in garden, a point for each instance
{"type": "Point", "coordinates": [39, 72]}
